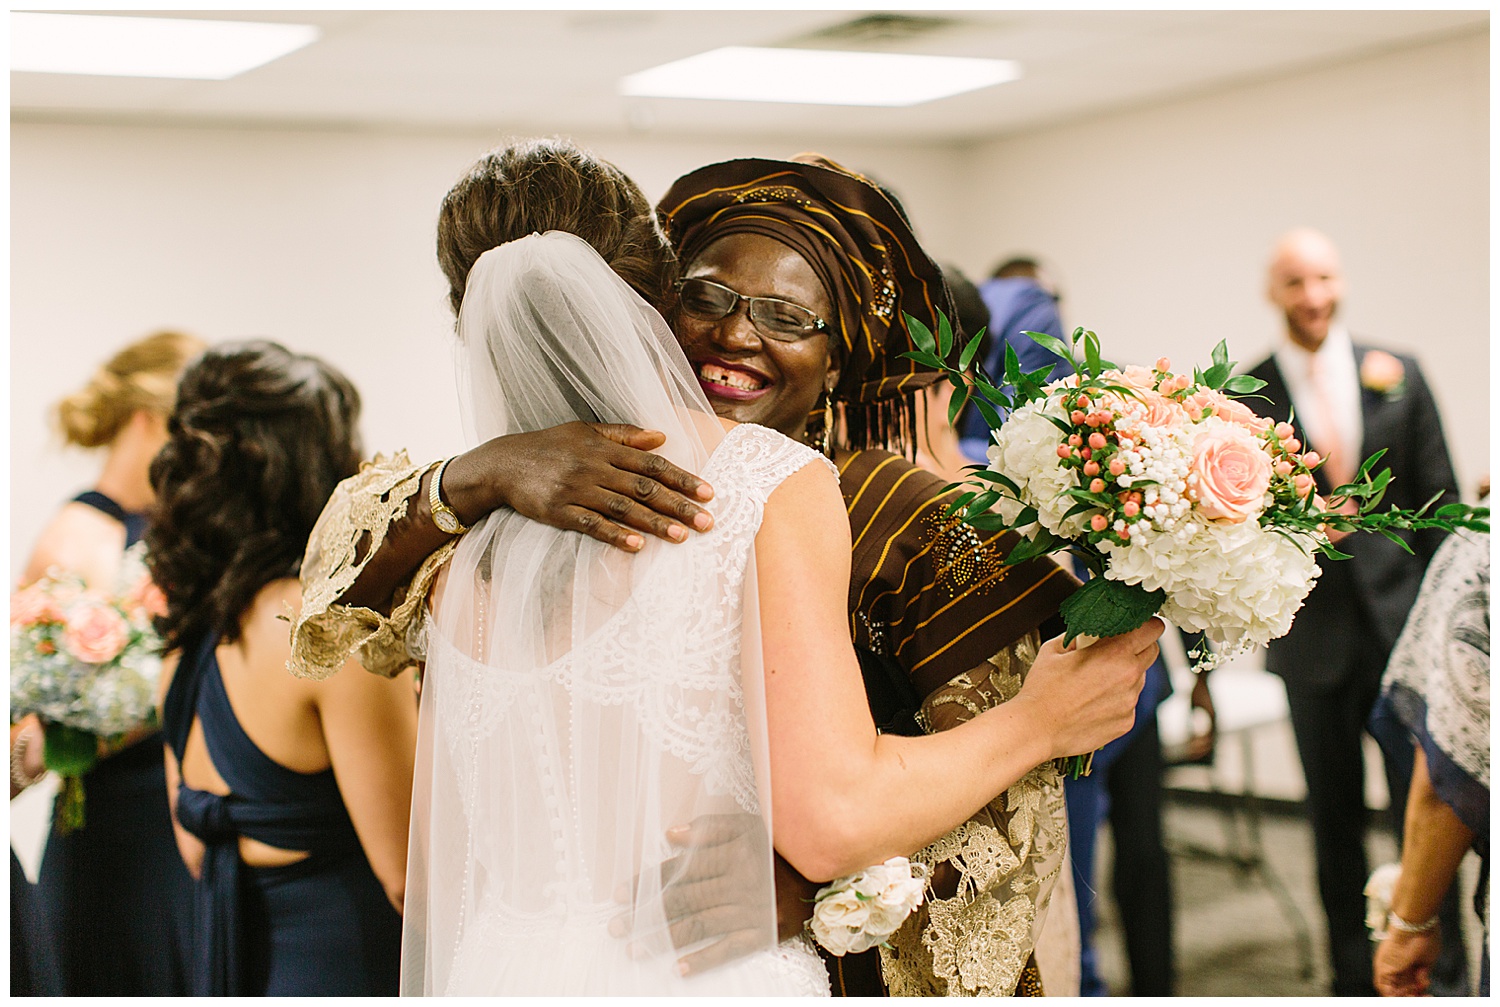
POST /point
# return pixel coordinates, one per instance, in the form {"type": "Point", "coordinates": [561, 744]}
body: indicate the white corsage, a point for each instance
{"type": "Point", "coordinates": [856, 913]}
{"type": "Point", "coordinates": [1378, 892]}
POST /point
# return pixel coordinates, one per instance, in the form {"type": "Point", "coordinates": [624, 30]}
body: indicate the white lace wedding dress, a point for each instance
{"type": "Point", "coordinates": [579, 702]}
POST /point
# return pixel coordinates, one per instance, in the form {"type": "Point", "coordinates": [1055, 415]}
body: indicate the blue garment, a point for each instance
{"type": "Point", "coordinates": [29, 974]}
{"type": "Point", "coordinates": [319, 927]}
{"type": "Point", "coordinates": [1089, 804]}
{"type": "Point", "coordinates": [114, 899]}
{"type": "Point", "coordinates": [1017, 304]}
{"type": "Point", "coordinates": [135, 524]}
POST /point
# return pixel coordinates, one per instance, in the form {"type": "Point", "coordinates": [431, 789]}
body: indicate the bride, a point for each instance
{"type": "Point", "coordinates": [579, 702]}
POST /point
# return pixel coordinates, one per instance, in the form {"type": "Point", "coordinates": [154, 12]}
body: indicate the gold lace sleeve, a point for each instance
{"type": "Point", "coordinates": [352, 526]}
{"type": "Point", "coordinates": [991, 877]}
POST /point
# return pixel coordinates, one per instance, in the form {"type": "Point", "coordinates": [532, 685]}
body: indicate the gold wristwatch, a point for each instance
{"type": "Point", "coordinates": [443, 515]}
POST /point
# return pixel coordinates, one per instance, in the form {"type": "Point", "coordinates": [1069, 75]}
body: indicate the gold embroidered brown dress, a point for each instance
{"type": "Point", "coordinates": [934, 595]}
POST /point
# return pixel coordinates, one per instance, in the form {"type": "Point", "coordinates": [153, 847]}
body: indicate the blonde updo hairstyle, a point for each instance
{"type": "Point", "coordinates": [141, 376]}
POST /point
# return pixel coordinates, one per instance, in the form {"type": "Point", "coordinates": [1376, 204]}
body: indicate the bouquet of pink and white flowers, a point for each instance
{"type": "Point", "coordinates": [87, 663]}
{"type": "Point", "coordinates": [1180, 499]}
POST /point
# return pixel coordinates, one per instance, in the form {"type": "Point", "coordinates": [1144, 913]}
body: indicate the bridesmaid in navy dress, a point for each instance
{"type": "Point", "coordinates": [113, 902]}
{"type": "Point", "coordinates": [291, 797]}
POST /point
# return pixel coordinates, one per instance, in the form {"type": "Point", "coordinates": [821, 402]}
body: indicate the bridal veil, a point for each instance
{"type": "Point", "coordinates": [579, 702]}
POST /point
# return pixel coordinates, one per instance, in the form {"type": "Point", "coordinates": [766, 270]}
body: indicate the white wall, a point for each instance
{"type": "Point", "coordinates": [1160, 220]}
{"type": "Point", "coordinates": [321, 240]}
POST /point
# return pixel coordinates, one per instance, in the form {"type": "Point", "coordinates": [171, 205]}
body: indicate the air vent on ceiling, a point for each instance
{"type": "Point", "coordinates": [880, 29]}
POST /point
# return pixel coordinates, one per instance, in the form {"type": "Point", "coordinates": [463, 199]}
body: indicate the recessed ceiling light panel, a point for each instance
{"type": "Point", "coordinates": [149, 46]}
{"type": "Point", "coordinates": [818, 77]}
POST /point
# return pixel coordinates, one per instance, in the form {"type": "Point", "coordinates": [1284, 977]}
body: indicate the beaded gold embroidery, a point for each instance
{"type": "Point", "coordinates": [774, 194]}
{"type": "Point", "coordinates": [883, 305]}
{"type": "Point", "coordinates": [960, 558]}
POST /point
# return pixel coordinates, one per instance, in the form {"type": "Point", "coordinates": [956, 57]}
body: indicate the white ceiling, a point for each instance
{"type": "Point", "coordinates": [556, 71]}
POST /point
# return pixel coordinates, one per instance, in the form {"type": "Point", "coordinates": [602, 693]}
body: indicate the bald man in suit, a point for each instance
{"type": "Point", "coordinates": [1347, 401]}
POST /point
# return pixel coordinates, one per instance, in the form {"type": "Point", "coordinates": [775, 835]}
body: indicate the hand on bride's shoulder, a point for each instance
{"type": "Point", "coordinates": [1084, 697]}
{"type": "Point", "coordinates": [601, 479]}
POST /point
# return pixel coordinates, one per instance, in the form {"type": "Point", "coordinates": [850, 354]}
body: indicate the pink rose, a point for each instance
{"type": "Point", "coordinates": [1236, 412]}
{"type": "Point", "coordinates": [146, 598]}
{"type": "Point", "coordinates": [33, 605]}
{"type": "Point", "coordinates": [1381, 372]}
{"type": "Point", "coordinates": [96, 634]}
{"type": "Point", "coordinates": [1133, 376]}
{"type": "Point", "coordinates": [1147, 408]}
{"type": "Point", "coordinates": [1232, 472]}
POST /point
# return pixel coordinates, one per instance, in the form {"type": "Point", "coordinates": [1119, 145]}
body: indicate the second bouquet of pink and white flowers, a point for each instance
{"type": "Point", "coordinates": [1181, 499]}
{"type": "Point", "coordinates": [87, 663]}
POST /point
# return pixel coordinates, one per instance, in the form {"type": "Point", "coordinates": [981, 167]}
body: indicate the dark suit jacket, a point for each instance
{"type": "Point", "coordinates": [1350, 621]}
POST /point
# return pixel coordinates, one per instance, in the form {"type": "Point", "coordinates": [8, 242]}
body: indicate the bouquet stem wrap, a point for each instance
{"type": "Point", "coordinates": [70, 753]}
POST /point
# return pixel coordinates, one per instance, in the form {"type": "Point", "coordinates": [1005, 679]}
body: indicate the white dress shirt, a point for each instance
{"type": "Point", "coordinates": [1341, 379]}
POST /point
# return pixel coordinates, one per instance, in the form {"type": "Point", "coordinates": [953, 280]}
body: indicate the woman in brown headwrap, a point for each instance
{"type": "Point", "coordinates": [930, 602]}
{"type": "Point", "coordinates": [823, 265]}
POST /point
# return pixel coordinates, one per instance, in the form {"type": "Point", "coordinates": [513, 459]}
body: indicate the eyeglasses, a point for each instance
{"type": "Point", "coordinates": [773, 317]}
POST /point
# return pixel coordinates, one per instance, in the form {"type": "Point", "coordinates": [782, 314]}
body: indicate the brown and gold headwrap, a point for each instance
{"type": "Point", "coordinates": [853, 236]}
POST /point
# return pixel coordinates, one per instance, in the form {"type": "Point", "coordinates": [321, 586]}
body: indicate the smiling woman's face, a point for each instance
{"type": "Point", "coordinates": [748, 377]}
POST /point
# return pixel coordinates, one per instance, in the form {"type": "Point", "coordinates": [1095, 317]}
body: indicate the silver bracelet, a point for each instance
{"type": "Point", "coordinates": [1394, 922]}
{"type": "Point", "coordinates": [18, 777]}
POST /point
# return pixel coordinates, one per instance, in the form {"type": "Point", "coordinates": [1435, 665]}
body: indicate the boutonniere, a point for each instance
{"type": "Point", "coordinates": [1383, 374]}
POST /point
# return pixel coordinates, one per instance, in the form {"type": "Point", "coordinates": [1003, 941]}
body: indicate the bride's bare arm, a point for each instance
{"type": "Point", "coordinates": [844, 796]}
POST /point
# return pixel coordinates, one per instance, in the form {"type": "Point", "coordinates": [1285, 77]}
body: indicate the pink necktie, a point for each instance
{"type": "Point", "coordinates": [1339, 465]}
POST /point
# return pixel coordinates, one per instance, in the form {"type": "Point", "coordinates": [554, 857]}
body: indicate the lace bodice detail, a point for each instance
{"type": "Point", "coordinates": [362, 509]}
{"type": "Point", "coordinates": [570, 758]}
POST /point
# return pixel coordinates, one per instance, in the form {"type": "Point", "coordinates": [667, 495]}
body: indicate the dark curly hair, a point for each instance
{"type": "Point", "coordinates": [552, 185]}
{"type": "Point", "coordinates": [258, 440]}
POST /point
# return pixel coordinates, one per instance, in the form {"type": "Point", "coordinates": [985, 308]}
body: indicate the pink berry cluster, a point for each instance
{"type": "Point", "coordinates": [1093, 449]}
{"type": "Point", "coordinates": [1141, 478]}
{"type": "Point", "coordinates": [1292, 468]}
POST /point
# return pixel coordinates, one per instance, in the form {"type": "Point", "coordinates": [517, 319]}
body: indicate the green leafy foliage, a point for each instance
{"type": "Point", "coordinates": [967, 356]}
{"type": "Point", "coordinates": [920, 334]}
{"type": "Point", "coordinates": [1056, 345]}
{"type": "Point", "coordinates": [1108, 608]}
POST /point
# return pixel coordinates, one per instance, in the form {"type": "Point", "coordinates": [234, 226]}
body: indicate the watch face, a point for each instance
{"type": "Point", "coordinates": [445, 522]}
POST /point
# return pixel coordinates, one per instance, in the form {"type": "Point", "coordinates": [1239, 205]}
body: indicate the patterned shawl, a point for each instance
{"type": "Point", "coordinates": [1438, 679]}
{"type": "Point", "coordinates": [928, 591]}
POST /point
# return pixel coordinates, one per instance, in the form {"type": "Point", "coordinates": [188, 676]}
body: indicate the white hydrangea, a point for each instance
{"type": "Point", "coordinates": [1239, 584]}
{"type": "Point", "coordinates": [1025, 450]}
